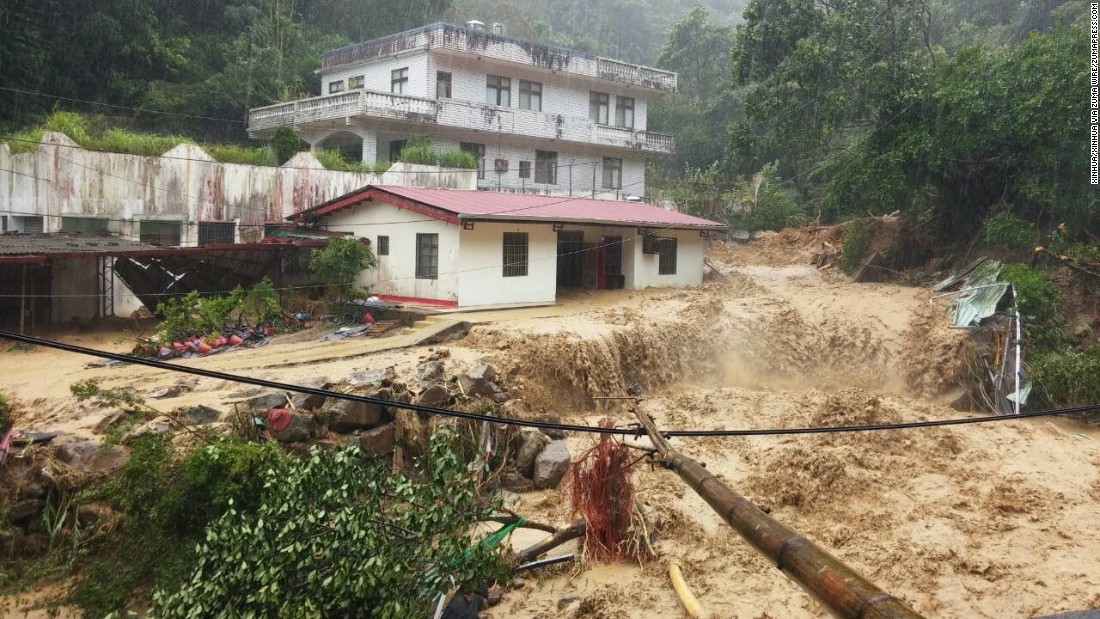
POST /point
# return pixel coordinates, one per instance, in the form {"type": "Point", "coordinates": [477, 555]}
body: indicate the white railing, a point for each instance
{"type": "Point", "coordinates": [456, 114]}
{"type": "Point", "coordinates": [636, 74]}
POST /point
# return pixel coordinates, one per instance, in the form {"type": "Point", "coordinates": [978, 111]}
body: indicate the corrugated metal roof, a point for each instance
{"type": "Point", "coordinates": [17, 244]}
{"type": "Point", "coordinates": [492, 205]}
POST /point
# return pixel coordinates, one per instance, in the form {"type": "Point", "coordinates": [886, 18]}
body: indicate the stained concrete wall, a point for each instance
{"type": "Point", "coordinates": [185, 184]}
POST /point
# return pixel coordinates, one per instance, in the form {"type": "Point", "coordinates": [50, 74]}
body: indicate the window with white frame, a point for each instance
{"type": "Point", "coordinates": [546, 167]}
{"type": "Point", "coordinates": [335, 87]}
{"type": "Point", "coordinates": [515, 254]}
{"type": "Point", "coordinates": [356, 82]}
{"type": "Point", "coordinates": [427, 256]}
{"type": "Point", "coordinates": [597, 107]}
{"type": "Point", "coordinates": [612, 173]}
{"type": "Point", "coordinates": [442, 85]}
{"type": "Point", "coordinates": [498, 90]}
{"type": "Point", "coordinates": [399, 81]}
{"type": "Point", "coordinates": [624, 112]}
{"type": "Point", "coordinates": [530, 96]}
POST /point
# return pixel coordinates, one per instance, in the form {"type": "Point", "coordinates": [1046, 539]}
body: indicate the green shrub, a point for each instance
{"type": "Point", "coordinates": [1068, 377]}
{"type": "Point", "coordinates": [419, 151]}
{"type": "Point", "coordinates": [856, 240]}
{"type": "Point", "coordinates": [379, 167]}
{"type": "Point", "coordinates": [336, 535]}
{"type": "Point", "coordinates": [236, 153]}
{"type": "Point", "coordinates": [192, 314]}
{"type": "Point", "coordinates": [454, 158]}
{"type": "Point", "coordinates": [1008, 230]}
{"type": "Point", "coordinates": [286, 144]}
{"type": "Point", "coordinates": [166, 502]}
{"type": "Point", "coordinates": [333, 159]}
{"type": "Point", "coordinates": [1037, 295]}
{"type": "Point", "coordinates": [1084, 252]}
{"type": "Point", "coordinates": [340, 263]}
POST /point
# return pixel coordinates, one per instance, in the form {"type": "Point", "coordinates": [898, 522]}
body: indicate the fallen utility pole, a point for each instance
{"type": "Point", "coordinates": [845, 593]}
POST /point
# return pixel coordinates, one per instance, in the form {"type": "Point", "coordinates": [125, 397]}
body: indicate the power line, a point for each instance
{"type": "Point", "coordinates": [119, 107]}
{"type": "Point", "coordinates": [446, 412]}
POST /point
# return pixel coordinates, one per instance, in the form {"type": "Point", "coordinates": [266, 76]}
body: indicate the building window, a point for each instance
{"type": "Point", "coordinates": [442, 85]}
{"type": "Point", "coordinates": [211, 232]}
{"type": "Point", "coordinates": [597, 107]}
{"type": "Point", "coordinates": [624, 113]}
{"type": "Point", "coordinates": [666, 263]}
{"type": "Point", "coordinates": [530, 96]}
{"type": "Point", "coordinates": [396, 146]}
{"type": "Point", "coordinates": [85, 225]}
{"type": "Point", "coordinates": [335, 87]}
{"type": "Point", "coordinates": [399, 81]}
{"type": "Point", "coordinates": [477, 150]}
{"type": "Point", "coordinates": [498, 91]}
{"type": "Point", "coordinates": [612, 173]}
{"type": "Point", "coordinates": [546, 167]}
{"type": "Point", "coordinates": [163, 233]}
{"type": "Point", "coordinates": [356, 82]}
{"type": "Point", "coordinates": [427, 256]}
{"type": "Point", "coordinates": [515, 254]}
{"type": "Point", "coordinates": [525, 169]}
{"type": "Point", "coordinates": [29, 224]}
{"type": "Point", "coordinates": [383, 245]}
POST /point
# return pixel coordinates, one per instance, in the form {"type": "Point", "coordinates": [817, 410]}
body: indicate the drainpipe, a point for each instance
{"type": "Point", "coordinates": [832, 583]}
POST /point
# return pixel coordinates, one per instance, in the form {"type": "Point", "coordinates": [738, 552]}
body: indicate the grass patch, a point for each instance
{"type": "Point", "coordinates": [237, 153]}
{"type": "Point", "coordinates": [333, 159]}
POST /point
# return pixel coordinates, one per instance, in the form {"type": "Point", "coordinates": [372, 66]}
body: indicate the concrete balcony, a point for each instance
{"type": "Point", "coordinates": [383, 108]}
{"type": "Point", "coordinates": [450, 38]}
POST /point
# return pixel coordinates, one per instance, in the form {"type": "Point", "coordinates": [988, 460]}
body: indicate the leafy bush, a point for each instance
{"type": "Point", "coordinates": [420, 151]}
{"type": "Point", "coordinates": [236, 153]}
{"type": "Point", "coordinates": [1038, 296]}
{"type": "Point", "coordinates": [333, 159]}
{"type": "Point", "coordinates": [335, 534]}
{"type": "Point", "coordinates": [856, 241]}
{"type": "Point", "coordinates": [285, 143]}
{"type": "Point", "coordinates": [166, 502]}
{"type": "Point", "coordinates": [1006, 229]}
{"type": "Point", "coordinates": [340, 263]}
{"type": "Point", "coordinates": [1084, 252]}
{"type": "Point", "coordinates": [1068, 377]}
{"type": "Point", "coordinates": [195, 315]}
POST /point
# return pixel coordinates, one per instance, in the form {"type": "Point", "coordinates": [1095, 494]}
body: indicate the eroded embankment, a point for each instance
{"type": "Point", "coordinates": [737, 333]}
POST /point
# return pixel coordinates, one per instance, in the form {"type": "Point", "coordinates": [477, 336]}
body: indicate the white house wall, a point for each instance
{"type": "Point", "coordinates": [481, 261]}
{"type": "Point", "coordinates": [377, 74]}
{"type": "Point", "coordinates": [689, 262]}
{"type": "Point", "coordinates": [396, 272]}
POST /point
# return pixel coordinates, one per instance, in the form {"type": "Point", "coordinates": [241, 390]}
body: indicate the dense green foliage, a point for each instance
{"type": "Point", "coordinates": [195, 314]}
{"type": "Point", "coordinates": [286, 144]}
{"type": "Point", "coordinates": [5, 412]}
{"type": "Point", "coordinates": [421, 151]}
{"type": "Point", "coordinates": [1008, 230]}
{"type": "Point", "coordinates": [335, 534]}
{"type": "Point", "coordinates": [339, 263]}
{"type": "Point", "coordinates": [1067, 376]}
{"type": "Point", "coordinates": [855, 243]}
{"type": "Point", "coordinates": [166, 500]}
{"type": "Point", "coordinates": [1036, 294]}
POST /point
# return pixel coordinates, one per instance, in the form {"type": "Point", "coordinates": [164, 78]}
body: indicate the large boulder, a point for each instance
{"type": "Point", "coordinates": [379, 441]}
{"type": "Point", "coordinates": [199, 415]}
{"type": "Point", "coordinates": [551, 465]}
{"type": "Point", "coordinates": [431, 371]}
{"type": "Point", "coordinates": [348, 416]}
{"type": "Point", "coordinates": [379, 377]}
{"type": "Point", "coordinates": [526, 446]}
{"type": "Point", "coordinates": [92, 457]}
{"type": "Point", "coordinates": [478, 381]}
{"type": "Point", "coordinates": [289, 427]}
{"type": "Point", "coordinates": [266, 401]}
{"type": "Point", "coordinates": [433, 395]}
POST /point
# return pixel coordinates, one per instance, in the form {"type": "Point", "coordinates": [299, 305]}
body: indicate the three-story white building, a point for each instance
{"type": "Point", "coordinates": [539, 118]}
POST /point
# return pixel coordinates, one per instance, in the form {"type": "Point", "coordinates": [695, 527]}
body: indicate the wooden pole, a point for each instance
{"type": "Point", "coordinates": [836, 586]}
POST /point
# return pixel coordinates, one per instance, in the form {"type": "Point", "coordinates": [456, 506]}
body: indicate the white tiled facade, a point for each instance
{"type": "Point", "coordinates": [372, 120]}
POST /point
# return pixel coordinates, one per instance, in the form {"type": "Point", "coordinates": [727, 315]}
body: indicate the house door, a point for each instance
{"type": "Point", "coordinates": [570, 259]}
{"type": "Point", "coordinates": [611, 265]}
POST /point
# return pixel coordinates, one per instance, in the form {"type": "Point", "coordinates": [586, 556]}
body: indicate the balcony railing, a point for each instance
{"type": "Point", "coordinates": [451, 113]}
{"type": "Point", "coordinates": [488, 45]}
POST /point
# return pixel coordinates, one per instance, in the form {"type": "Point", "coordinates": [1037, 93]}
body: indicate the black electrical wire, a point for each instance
{"type": "Point", "coordinates": [635, 430]}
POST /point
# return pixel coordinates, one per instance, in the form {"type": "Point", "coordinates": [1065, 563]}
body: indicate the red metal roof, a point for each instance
{"type": "Point", "coordinates": [472, 205]}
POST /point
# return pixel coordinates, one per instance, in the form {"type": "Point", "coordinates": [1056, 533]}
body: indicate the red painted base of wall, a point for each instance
{"type": "Point", "coordinates": [417, 300]}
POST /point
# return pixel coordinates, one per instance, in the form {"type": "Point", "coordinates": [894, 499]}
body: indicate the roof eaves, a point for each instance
{"type": "Point", "coordinates": [599, 222]}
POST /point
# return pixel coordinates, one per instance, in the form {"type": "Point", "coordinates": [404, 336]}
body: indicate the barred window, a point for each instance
{"type": "Point", "coordinates": [383, 245]}
{"type": "Point", "coordinates": [525, 169]}
{"type": "Point", "coordinates": [213, 232]}
{"type": "Point", "coordinates": [667, 257]}
{"type": "Point", "coordinates": [356, 82]}
{"type": "Point", "coordinates": [515, 254]}
{"type": "Point", "coordinates": [427, 256]}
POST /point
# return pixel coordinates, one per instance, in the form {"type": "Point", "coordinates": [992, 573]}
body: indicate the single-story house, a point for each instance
{"type": "Point", "coordinates": [474, 248]}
